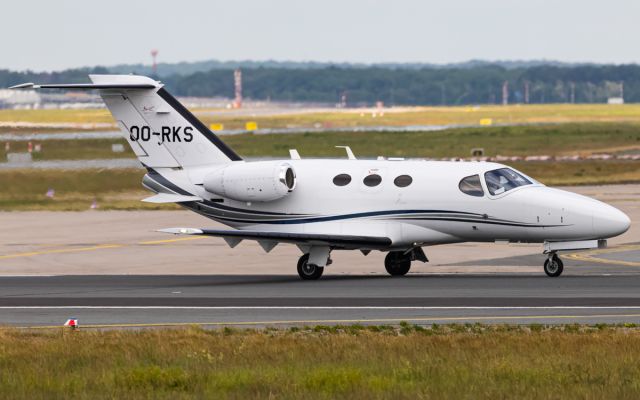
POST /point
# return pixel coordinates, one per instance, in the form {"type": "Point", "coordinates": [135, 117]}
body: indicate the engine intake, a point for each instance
{"type": "Point", "coordinates": [253, 181]}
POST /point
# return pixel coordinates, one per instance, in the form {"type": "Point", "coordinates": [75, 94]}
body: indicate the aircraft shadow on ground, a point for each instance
{"type": "Point", "coordinates": [267, 280]}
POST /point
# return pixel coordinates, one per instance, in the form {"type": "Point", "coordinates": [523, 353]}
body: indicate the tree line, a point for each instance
{"type": "Point", "coordinates": [483, 84]}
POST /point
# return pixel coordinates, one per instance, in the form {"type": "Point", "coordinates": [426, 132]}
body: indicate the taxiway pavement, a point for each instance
{"type": "Point", "coordinates": [247, 300]}
{"type": "Point", "coordinates": [112, 269]}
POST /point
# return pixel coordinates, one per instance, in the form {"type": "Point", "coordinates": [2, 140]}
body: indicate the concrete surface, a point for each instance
{"type": "Point", "coordinates": [110, 269]}
{"type": "Point", "coordinates": [106, 242]}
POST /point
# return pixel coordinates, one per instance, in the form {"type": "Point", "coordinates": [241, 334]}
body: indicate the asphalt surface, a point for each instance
{"type": "Point", "coordinates": [111, 269]}
{"type": "Point", "coordinates": [215, 300]}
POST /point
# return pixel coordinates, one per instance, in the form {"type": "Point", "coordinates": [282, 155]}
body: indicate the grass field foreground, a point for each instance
{"type": "Point", "coordinates": [554, 140]}
{"type": "Point", "coordinates": [562, 139]}
{"type": "Point", "coordinates": [512, 114]}
{"type": "Point", "coordinates": [405, 116]}
{"type": "Point", "coordinates": [57, 116]}
{"type": "Point", "coordinates": [75, 190]}
{"type": "Point", "coordinates": [355, 362]}
{"type": "Point", "coordinates": [120, 189]}
{"type": "Point", "coordinates": [81, 149]}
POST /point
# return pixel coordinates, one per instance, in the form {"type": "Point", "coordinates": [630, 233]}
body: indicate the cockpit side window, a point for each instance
{"type": "Point", "coordinates": [471, 185]}
{"type": "Point", "coordinates": [504, 179]}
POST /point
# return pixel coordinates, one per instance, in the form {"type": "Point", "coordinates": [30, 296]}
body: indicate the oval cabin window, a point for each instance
{"type": "Point", "coordinates": [372, 180]}
{"type": "Point", "coordinates": [342, 180]}
{"type": "Point", "coordinates": [471, 185]}
{"type": "Point", "coordinates": [403, 181]}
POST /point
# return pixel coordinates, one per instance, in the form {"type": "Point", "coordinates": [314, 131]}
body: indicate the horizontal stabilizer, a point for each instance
{"type": "Point", "coordinates": [311, 239]}
{"type": "Point", "coordinates": [100, 82]}
{"type": "Point", "coordinates": [171, 198]}
{"type": "Point", "coordinates": [86, 86]}
{"type": "Point", "coordinates": [161, 131]}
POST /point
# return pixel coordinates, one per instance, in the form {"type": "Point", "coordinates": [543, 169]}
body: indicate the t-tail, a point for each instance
{"type": "Point", "coordinates": [160, 130]}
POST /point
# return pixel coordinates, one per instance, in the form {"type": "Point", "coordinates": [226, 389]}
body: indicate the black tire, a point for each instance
{"type": "Point", "coordinates": [553, 267]}
{"type": "Point", "coordinates": [397, 263]}
{"type": "Point", "coordinates": [308, 272]}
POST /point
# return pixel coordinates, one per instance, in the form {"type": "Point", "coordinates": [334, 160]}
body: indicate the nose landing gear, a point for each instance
{"type": "Point", "coordinates": [553, 265]}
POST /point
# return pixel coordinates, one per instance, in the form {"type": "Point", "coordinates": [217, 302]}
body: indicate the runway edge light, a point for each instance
{"type": "Point", "coordinates": [72, 323]}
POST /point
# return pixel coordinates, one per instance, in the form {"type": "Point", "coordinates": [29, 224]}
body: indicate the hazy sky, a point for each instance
{"type": "Point", "coordinates": [51, 35]}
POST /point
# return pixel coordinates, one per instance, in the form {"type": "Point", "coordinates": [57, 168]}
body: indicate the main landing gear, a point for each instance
{"type": "Point", "coordinates": [397, 263]}
{"type": "Point", "coordinates": [308, 272]}
{"type": "Point", "coordinates": [553, 265]}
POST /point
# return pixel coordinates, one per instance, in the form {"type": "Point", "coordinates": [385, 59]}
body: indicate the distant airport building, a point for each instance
{"type": "Point", "coordinates": [19, 98]}
{"type": "Point", "coordinates": [615, 100]}
{"type": "Point", "coordinates": [30, 99]}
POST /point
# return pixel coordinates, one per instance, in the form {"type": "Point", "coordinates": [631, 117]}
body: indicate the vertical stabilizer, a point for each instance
{"type": "Point", "coordinates": [160, 130]}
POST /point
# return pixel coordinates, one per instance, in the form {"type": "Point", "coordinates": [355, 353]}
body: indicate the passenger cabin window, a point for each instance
{"type": "Point", "coordinates": [504, 179]}
{"type": "Point", "coordinates": [471, 185]}
{"type": "Point", "coordinates": [372, 180]}
{"type": "Point", "coordinates": [342, 180]}
{"type": "Point", "coordinates": [403, 181]}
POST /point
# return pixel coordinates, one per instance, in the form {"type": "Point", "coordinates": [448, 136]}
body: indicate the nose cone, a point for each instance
{"type": "Point", "coordinates": [609, 221]}
{"type": "Point", "coordinates": [570, 216]}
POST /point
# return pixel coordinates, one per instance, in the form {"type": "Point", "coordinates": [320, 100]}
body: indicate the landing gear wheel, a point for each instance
{"type": "Point", "coordinates": [397, 263]}
{"type": "Point", "coordinates": [553, 266]}
{"type": "Point", "coordinates": [308, 272]}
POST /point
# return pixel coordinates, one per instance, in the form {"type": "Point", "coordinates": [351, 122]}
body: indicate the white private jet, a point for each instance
{"type": "Point", "coordinates": [394, 206]}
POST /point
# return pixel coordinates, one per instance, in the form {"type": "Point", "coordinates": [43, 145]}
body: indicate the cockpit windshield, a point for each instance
{"type": "Point", "coordinates": [504, 179]}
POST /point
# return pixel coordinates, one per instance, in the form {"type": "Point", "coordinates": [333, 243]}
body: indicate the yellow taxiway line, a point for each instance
{"type": "Point", "coordinates": [589, 255]}
{"type": "Point", "coordinates": [96, 247]}
{"type": "Point", "coordinates": [165, 241]}
{"type": "Point", "coordinates": [339, 321]}
{"type": "Point", "coordinates": [583, 256]}
{"type": "Point", "coordinates": [63, 250]}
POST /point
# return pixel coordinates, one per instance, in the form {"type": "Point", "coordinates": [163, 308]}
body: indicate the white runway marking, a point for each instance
{"type": "Point", "coordinates": [426, 308]}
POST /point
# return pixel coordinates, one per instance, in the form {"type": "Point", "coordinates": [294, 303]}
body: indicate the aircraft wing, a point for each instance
{"type": "Point", "coordinates": [268, 240]}
{"type": "Point", "coordinates": [171, 198]}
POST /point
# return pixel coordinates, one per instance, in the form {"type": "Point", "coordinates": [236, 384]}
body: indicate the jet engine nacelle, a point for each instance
{"type": "Point", "coordinates": [252, 181]}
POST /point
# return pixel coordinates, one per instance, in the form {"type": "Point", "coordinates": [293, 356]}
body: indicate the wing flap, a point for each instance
{"type": "Point", "coordinates": [313, 239]}
{"type": "Point", "coordinates": [170, 198]}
